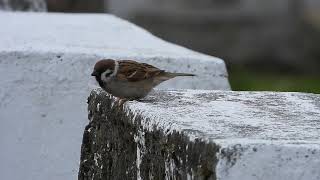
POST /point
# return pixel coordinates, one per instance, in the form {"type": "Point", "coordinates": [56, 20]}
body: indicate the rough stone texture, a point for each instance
{"type": "Point", "coordinates": [115, 147]}
{"type": "Point", "coordinates": [45, 66]}
{"type": "Point", "coordinates": [203, 135]}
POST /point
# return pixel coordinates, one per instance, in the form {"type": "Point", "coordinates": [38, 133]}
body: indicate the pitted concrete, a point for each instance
{"type": "Point", "coordinates": [233, 135]}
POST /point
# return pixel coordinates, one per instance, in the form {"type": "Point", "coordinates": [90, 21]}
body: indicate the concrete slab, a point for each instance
{"type": "Point", "coordinates": [200, 134]}
{"type": "Point", "coordinates": [218, 115]}
{"type": "Point", "coordinates": [106, 36]}
{"type": "Point", "coordinates": [45, 64]}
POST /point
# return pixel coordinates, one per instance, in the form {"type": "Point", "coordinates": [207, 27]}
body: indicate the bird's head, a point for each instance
{"type": "Point", "coordinates": [103, 70]}
{"type": "Point", "coordinates": [105, 67]}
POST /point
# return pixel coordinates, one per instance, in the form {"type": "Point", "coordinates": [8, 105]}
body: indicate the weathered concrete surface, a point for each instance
{"type": "Point", "coordinates": [116, 147]}
{"type": "Point", "coordinates": [87, 38]}
{"type": "Point", "coordinates": [203, 135]}
{"type": "Point", "coordinates": [45, 66]}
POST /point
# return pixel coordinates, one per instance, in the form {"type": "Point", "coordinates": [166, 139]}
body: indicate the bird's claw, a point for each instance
{"type": "Point", "coordinates": [120, 102]}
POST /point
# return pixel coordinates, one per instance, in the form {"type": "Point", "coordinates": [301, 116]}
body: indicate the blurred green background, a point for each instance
{"type": "Point", "coordinates": [242, 78]}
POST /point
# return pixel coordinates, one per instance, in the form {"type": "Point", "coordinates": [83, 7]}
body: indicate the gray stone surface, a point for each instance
{"type": "Point", "coordinates": [114, 147]}
{"type": "Point", "coordinates": [202, 134]}
{"type": "Point", "coordinates": [97, 36]}
{"type": "Point", "coordinates": [45, 65]}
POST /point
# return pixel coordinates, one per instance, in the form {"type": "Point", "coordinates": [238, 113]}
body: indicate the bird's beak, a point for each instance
{"type": "Point", "coordinates": [94, 73]}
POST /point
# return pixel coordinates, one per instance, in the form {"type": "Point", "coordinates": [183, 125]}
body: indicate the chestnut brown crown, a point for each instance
{"type": "Point", "coordinates": [103, 65]}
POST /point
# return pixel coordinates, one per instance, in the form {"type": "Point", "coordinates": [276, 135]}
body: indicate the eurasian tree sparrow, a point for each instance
{"type": "Point", "coordinates": [130, 80]}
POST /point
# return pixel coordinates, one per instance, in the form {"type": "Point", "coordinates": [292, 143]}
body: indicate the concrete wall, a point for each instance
{"type": "Point", "coordinates": [197, 134]}
{"type": "Point", "coordinates": [45, 64]}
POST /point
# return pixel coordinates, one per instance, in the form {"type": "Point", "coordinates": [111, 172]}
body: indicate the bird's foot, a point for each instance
{"type": "Point", "coordinates": [121, 102]}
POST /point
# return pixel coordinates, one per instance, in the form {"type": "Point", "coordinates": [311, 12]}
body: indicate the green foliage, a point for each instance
{"type": "Point", "coordinates": [245, 79]}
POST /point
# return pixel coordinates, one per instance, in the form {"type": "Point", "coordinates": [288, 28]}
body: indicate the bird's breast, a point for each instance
{"type": "Point", "coordinates": [129, 90]}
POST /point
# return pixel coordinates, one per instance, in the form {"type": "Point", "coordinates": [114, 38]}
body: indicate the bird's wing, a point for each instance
{"type": "Point", "coordinates": [134, 71]}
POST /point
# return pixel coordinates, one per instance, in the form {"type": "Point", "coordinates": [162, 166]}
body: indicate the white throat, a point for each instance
{"type": "Point", "coordinates": [114, 73]}
{"type": "Point", "coordinates": [116, 68]}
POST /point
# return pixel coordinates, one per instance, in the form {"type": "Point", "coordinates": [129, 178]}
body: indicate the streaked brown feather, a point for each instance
{"type": "Point", "coordinates": [133, 71]}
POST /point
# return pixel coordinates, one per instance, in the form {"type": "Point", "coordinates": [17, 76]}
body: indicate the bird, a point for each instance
{"type": "Point", "coordinates": [129, 79]}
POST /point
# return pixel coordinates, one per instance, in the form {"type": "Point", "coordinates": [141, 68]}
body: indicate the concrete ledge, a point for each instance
{"type": "Point", "coordinates": [45, 65]}
{"type": "Point", "coordinates": [189, 134]}
{"type": "Point", "coordinates": [89, 37]}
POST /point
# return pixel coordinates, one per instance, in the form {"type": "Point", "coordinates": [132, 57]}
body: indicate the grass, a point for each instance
{"type": "Point", "coordinates": [264, 81]}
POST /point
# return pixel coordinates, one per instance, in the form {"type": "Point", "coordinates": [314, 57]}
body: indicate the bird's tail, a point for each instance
{"type": "Point", "coordinates": [180, 74]}
{"type": "Point", "coordinates": [168, 75]}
